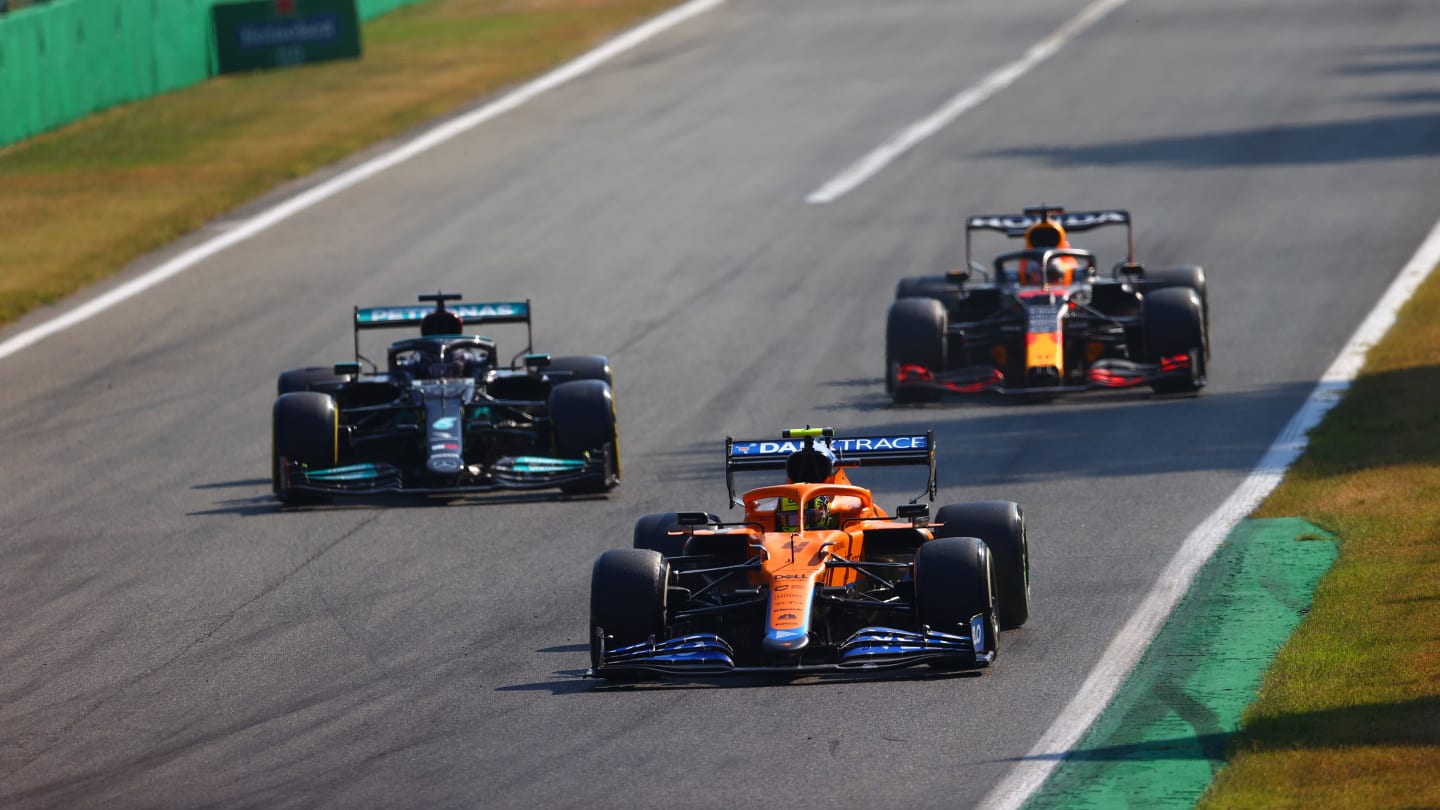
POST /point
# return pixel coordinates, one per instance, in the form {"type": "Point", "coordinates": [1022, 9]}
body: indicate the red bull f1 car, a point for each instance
{"type": "Point", "coordinates": [445, 416]}
{"type": "Point", "coordinates": [816, 577]}
{"type": "Point", "coordinates": [1042, 321]}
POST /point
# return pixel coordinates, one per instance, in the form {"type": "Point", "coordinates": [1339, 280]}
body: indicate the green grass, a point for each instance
{"type": "Point", "coordinates": [78, 204]}
{"type": "Point", "coordinates": [1349, 713]}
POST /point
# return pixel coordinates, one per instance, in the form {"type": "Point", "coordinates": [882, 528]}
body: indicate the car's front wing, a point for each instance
{"type": "Point", "coordinates": [869, 649]}
{"type": "Point", "coordinates": [1108, 373]}
{"type": "Point", "coordinates": [509, 473]}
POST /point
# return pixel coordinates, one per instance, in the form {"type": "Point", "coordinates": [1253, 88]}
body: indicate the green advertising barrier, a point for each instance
{"type": "Point", "coordinates": [374, 8]}
{"type": "Point", "coordinates": [19, 104]}
{"type": "Point", "coordinates": [62, 60]}
{"type": "Point", "coordinates": [263, 34]}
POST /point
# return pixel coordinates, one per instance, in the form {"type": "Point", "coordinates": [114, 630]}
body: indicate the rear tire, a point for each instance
{"type": "Point", "coordinates": [914, 335]}
{"type": "Point", "coordinates": [627, 599]}
{"type": "Point", "coordinates": [582, 413]}
{"type": "Point", "coordinates": [1174, 325]}
{"type": "Point", "coordinates": [652, 532]}
{"type": "Point", "coordinates": [1186, 275]}
{"type": "Point", "coordinates": [1001, 524]}
{"type": "Point", "coordinates": [305, 428]}
{"type": "Point", "coordinates": [310, 378]}
{"type": "Point", "coordinates": [937, 287]}
{"type": "Point", "coordinates": [582, 367]}
{"type": "Point", "coordinates": [954, 581]}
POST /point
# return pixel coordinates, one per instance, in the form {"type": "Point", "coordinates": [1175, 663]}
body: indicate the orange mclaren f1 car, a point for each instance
{"type": "Point", "coordinates": [816, 577]}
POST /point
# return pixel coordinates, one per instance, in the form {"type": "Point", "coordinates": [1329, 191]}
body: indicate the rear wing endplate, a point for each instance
{"type": "Point", "coordinates": [748, 455]}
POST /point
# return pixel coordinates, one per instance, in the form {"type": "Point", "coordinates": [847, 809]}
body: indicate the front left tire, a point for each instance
{"type": "Point", "coordinates": [1175, 325]}
{"type": "Point", "coordinates": [954, 582]}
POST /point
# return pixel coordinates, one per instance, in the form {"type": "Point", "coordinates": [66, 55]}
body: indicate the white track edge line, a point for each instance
{"type": "Point", "coordinates": [421, 143]}
{"type": "Point", "coordinates": [1126, 648]}
{"type": "Point", "coordinates": [964, 101]}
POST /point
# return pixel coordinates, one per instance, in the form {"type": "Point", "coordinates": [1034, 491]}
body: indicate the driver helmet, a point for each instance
{"type": "Point", "coordinates": [1045, 235]}
{"type": "Point", "coordinates": [810, 466]}
{"type": "Point", "coordinates": [817, 514]}
{"type": "Point", "coordinates": [462, 362]}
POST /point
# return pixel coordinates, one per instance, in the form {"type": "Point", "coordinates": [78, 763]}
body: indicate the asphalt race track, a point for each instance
{"type": "Point", "coordinates": [170, 638]}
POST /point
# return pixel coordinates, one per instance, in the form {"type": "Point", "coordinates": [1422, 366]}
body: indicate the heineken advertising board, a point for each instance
{"type": "Point", "coordinates": [276, 33]}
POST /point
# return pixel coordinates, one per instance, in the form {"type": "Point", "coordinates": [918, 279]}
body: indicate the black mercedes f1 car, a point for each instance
{"type": "Point", "coordinates": [1042, 321]}
{"type": "Point", "coordinates": [445, 416]}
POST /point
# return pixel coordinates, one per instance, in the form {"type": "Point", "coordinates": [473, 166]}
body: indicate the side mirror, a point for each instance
{"type": "Point", "coordinates": [692, 519]}
{"type": "Point", "coordinates": [534, 363]}
{"type": "Point", "coordinates": [917, 513]}
{"type": "Point", "coordinates": [348, 369]}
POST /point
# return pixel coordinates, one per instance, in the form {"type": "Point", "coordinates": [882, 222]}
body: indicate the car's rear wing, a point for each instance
{"type": "Point", "coordinates": [1015, 225]}
{"type": "Point", "coordinates": [748, 455]}
{"type": "Point", "coordinates": [394, 317]}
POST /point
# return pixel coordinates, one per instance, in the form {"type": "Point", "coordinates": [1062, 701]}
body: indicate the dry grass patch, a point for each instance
{"type": "Point", "coordinates": [79, 203]}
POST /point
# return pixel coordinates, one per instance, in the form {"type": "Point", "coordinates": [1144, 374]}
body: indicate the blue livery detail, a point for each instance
{"type": "Point", "coordinates": [857, 445]}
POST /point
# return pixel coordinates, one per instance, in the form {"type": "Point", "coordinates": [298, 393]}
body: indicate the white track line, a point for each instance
{"type": "Point", "coordinates": [430, 139]}
{"type": "Point", "coordinates": [908, 138]}
{"type": "Point", "coordinates": [1125, 650]}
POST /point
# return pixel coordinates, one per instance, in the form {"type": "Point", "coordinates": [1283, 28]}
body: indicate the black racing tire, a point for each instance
{"type": "Point", "coordinates": [582, 413]}
{"type": "Point", "coordinates": [1001, 524]}
{"type": "Point", "coordinates": [305, 427]}
{"type": "Point", "coordinates": [1185, 275]}
{"type": "Point", "coordinates": [627, 598]}
{"type": "Point", "coordinates": [653, 532]}
{"type": "Point", "coordinates": [937, 287]}
{"type": "Point", "coordinates": [915, 335]}
{"type": "Point", "coordinates": [310, 378]}
{"type": "Point", "coordinates": [1174, 324]}
{"type": "Point", "coordinates": [954, 581]}
{"type": "Point", "coordinates": [582, 367]}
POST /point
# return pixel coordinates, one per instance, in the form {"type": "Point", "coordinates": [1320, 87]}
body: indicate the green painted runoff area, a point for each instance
{"type": "Point", "coordinates": [1160, 741]}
